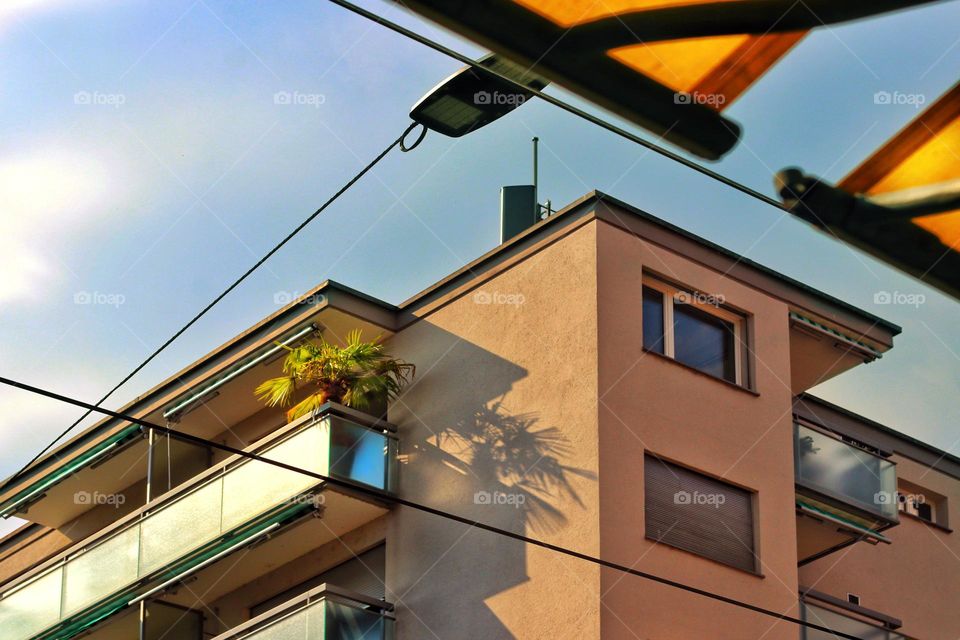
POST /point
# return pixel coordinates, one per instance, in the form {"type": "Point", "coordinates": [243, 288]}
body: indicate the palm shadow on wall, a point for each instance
{"type": "Point", "coordinates": [514, 455]}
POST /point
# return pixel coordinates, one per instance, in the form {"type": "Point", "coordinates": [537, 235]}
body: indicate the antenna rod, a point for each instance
{"type": "Point", "coordinates": [536, 202]}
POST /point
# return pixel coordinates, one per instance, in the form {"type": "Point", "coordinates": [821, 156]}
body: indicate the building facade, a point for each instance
{"type": "Point", "coordinates": [604, 382]}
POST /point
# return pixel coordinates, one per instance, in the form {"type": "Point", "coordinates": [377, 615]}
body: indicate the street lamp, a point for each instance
{"type": "Point", "coordinates": [470, 98]}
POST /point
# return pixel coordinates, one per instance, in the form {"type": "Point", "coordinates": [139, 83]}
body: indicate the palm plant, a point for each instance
{"type": "Point", "coordinates": [354, 375]}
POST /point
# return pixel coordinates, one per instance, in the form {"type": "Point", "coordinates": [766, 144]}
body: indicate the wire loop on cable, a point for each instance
{"type": "Point", "coordinates": [416, 143]}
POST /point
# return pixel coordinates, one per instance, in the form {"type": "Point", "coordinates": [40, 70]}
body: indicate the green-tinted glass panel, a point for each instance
{"type": "Point", "coordinates": [358, 453]}
{"type": "Point", "coordinates": [101, 570]}
{"type": "Point", "coordinates": [254, 487]}
{"type": "Point", "coordinates": [344, 622]}
{"type": "Point", "coordinates": [186, 524]}
{"type": "Point", "coordinates": [841, 469]}
{"type": "Point", "coordinates": [32, 608]}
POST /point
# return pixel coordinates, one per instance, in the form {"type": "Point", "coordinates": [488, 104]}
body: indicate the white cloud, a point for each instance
{"type": "Point", "coordinates": [13, 10]}
{"type": "Point", "coordinates": [43, 196]}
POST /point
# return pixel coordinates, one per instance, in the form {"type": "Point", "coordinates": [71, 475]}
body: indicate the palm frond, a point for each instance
{"type": "Point", "coordinates": [308, 405]}
{"type": "Point", "coordinates": [356, 374]}
{"type": "Point", "coordinates": [276, 391]}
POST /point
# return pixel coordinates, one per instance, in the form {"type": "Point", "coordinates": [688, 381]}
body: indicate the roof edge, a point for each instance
{"type": "Point", "coordinates": [893, 328]}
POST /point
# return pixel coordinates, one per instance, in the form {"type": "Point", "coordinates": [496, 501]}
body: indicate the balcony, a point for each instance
{"type": "Point", "coordinates": [323, 613]}
{"type": "Point", "coordinates": [197, 524]}
{"type": "Point", "coordinates": [844, 492]}
{"type": "Point", "coordinates": [842, 623]}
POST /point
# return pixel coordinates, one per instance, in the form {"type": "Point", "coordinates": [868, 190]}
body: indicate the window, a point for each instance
{"type": "Point", "coordinates": [700, 514]}
{"type": "Point", "coordinates": [916, 505]}
{"type": "Point", "coordinates": [693, 329]}
{"type": "Point", "coordinates": [653, 320]}
{"type": "Point", "coordinates": [922, 503]}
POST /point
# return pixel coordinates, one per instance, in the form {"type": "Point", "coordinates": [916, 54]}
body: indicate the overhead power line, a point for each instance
{"type": "Point", "coordinates": [374, 493]}
{"type": "Point", "coordinates": [403, 147]}
{"type": "Point", "coordinates": [566, 106]}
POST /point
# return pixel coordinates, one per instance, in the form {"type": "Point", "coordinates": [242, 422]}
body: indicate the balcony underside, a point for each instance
{"type": "Point", "coordinates": [340, 514]}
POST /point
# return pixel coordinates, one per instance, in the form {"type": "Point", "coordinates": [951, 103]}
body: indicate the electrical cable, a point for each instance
{"type": "Point", "coordinates": [377, 494]}
{"type": "Point", "coordinates": [436, 46]}
{"type": "Point", "coordinates": [399, 141]}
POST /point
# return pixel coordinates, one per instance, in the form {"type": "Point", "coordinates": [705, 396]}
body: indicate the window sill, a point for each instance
{"type": "Point", "coordinates": [935, 525]}
{"type": "Point", "coordinates": [709, 376]}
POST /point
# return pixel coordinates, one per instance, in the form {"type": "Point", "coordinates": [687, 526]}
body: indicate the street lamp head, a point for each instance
{"type": "Point", "coordinates": [470, 98]}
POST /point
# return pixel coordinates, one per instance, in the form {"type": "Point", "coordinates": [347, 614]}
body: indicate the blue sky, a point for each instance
{"type": "Point", "coordinates": [144, 161]}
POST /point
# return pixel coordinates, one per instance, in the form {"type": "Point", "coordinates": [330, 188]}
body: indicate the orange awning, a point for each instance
{"type": "Point", "coordinates": [670, 66]}
{"type": "Point", "coordinates": [924, 153]}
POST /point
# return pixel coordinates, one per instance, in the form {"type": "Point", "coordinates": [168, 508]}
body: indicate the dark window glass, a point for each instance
{"type": "Point", "coordinates": [704, 341]}
{"type": "Point", "coordinates": [652, 320]}
{"type": "Point", "coordinates": [925, 511]}
{"type": "Point", "coordinates": [697, 513]}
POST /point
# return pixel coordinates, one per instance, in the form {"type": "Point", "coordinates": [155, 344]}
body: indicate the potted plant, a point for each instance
{"type": "Point", "coordinates": [358, 375]}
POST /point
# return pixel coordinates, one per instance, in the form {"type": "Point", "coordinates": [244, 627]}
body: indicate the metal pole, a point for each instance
{"type": "Point", "coordinates": [143, 620]}
{"type": "Point", "coordinates": [151, 438]}
{"type": "Point", "coordinates": [536, 202]}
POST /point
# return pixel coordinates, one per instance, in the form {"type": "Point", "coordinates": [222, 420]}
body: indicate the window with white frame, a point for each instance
{"type": "Point", "coordinates": [695, 329]}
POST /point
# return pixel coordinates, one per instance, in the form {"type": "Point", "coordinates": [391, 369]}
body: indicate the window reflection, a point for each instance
{"type": "Point", "coordinates": [704, 341]}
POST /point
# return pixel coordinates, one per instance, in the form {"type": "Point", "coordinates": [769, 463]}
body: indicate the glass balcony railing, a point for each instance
{"type": "Point", "coordinates": [841, 623]}
{"type": "Point", "coordinates": [324, 613]}
{"type": "Point", "coordinates": [843, 472]}
{"type": "Point", "coordinates": [194, 525]}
